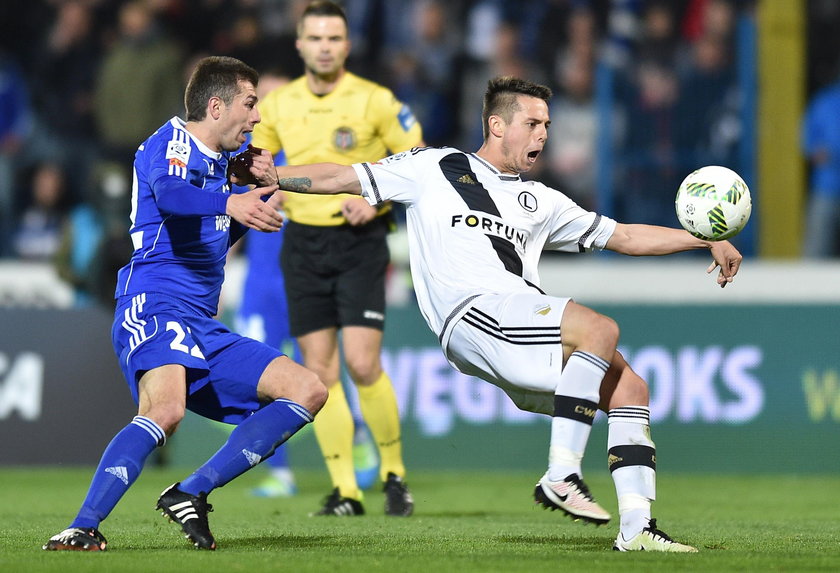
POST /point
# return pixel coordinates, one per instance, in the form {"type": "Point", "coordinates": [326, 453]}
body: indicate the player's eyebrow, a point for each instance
{"type": "Point", "coordinates": [547, 122]}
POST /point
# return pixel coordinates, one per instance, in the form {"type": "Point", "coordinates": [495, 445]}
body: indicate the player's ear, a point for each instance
{"type": "Point", "coordinates": [496, 125]}
{"type": "Point", "coordinates": [215, 105]}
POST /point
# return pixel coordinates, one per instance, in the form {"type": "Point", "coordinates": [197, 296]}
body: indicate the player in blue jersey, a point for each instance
{"type": "Point", "coordinates": [173, 353]}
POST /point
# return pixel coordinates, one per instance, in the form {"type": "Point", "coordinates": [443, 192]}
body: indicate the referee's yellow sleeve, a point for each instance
{"type": "Point", "coordinates": [398, 128]}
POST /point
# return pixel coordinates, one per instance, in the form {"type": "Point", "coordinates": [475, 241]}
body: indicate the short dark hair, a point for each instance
{"type": "Point", "coordinates": [322, 8]}
{"type": "Point", "coordinates": [215, 76]}
{"type": "Point", "coordinates": [500, 98]}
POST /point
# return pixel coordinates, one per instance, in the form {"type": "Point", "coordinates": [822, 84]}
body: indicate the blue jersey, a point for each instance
{"type": "Point", "coordinates": [178, 251]}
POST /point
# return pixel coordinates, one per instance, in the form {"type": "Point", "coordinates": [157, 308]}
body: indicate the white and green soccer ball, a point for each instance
{"type": "Point", "coordinates": [713, 203]}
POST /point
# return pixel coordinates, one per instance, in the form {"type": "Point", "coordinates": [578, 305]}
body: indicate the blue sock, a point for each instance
{"type": "Point", "coordinates": [280, 458]}
{"type": "Point", "coordinates": [250, 443]}
{"type": "Point", "coordinates": [121, 463]}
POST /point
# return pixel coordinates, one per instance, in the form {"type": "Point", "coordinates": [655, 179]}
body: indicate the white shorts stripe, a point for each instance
{"type": "Point", "coordinates": [512, 341]}
{"type": "Point", "coordinates": [520, 334]}
{"type": "Point", "coordinates": [135, 326]}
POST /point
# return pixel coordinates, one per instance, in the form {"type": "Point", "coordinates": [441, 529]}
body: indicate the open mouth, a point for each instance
{"type": "Point", "coordinates": [532, 155]}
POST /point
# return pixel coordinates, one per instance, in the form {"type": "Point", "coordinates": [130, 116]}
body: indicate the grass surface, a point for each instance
{"type": "Point", "coordinates": [463, 522]}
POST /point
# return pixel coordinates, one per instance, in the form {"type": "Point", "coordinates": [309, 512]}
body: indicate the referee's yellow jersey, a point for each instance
{"type": "Point", "coordinates": [358, 121]}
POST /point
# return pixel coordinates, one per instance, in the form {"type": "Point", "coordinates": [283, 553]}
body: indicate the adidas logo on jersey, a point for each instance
{"type": "Point", "coordinates": [467, 178]}
{"type": "Point", "coordinates": [120, 472]}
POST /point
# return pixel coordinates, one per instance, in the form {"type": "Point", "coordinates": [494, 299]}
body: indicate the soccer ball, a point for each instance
{"type": "Point", "coordinates": [713, 203]}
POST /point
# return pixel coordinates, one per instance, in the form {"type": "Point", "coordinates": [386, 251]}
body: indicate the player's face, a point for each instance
{"type": "Point", "coordinates": [323, 45]}
{"type": "Point", "coordinates": [239, 118]}
{"type": "Point", "coordinates": [525, 136]}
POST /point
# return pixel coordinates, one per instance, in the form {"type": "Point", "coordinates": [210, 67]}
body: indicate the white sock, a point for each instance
{"type": "Point", "coordinates": [632, 461]}
{"type": "Point", "coordinates": [575, 404]}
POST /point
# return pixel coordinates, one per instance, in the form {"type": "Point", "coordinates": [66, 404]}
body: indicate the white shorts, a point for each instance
{"type": "Point", "coordinates": [512, 341]}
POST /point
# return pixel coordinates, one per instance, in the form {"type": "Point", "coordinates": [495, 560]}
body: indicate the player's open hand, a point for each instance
{"type": "Point", "coordinates": [250, 210]}
{"type": "Point", "coordinates": [727, 259]}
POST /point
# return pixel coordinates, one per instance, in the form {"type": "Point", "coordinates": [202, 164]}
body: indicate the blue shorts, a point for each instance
{"type": "Point", "coordinates": [223, 368]}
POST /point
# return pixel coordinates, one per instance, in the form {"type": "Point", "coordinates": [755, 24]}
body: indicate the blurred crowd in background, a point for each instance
{"type": "Point", "coordinates": [83, 82]}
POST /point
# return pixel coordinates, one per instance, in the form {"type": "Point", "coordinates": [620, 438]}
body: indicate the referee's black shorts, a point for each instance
{"type": "Point", "coordinates": [335, 276]}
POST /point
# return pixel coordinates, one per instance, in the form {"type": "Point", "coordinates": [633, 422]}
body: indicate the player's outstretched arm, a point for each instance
{"type": "Point", "coordinates": [652, 240]}
{"type": "Point", "coordinates": [320, 178]}
{"type": "Point", "coordinates": [642, 240]}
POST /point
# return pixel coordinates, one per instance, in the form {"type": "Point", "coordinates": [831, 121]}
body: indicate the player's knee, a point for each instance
{"type": "Point", "coordinates": [600, 335]}
{"type": "Point", "coordinates": [311, 392]}
{"type": "Point", "coordinates": [586, 329]}
{"type": "Point", "coordinates": [167, 416]}
{"type": "Point", "coordinates": [607, 331]}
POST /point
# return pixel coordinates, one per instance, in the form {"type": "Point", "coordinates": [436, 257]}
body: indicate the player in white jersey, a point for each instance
{"type": "Point", "coordinates": [476, 231]}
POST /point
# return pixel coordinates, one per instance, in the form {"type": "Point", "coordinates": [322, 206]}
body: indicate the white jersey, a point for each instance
{"type": "Point", "coordinates": [473, 230]}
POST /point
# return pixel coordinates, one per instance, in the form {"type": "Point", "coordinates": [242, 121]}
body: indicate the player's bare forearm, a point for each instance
{"type": "Point", "coordinates": [319, 178]}
{"type": "Point", "coordinates": [651, 240]}
{"type": "Point", "coordinates": [640, 240]}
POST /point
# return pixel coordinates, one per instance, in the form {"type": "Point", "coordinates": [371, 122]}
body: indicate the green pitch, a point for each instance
{"type": "Point", "coordinates": [464, 522]}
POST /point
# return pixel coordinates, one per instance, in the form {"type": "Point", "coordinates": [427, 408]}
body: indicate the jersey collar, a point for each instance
{"type": "Point", "coordinates": [179, 123]}
{"type": "Point", "coordinates": [496, 172]}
